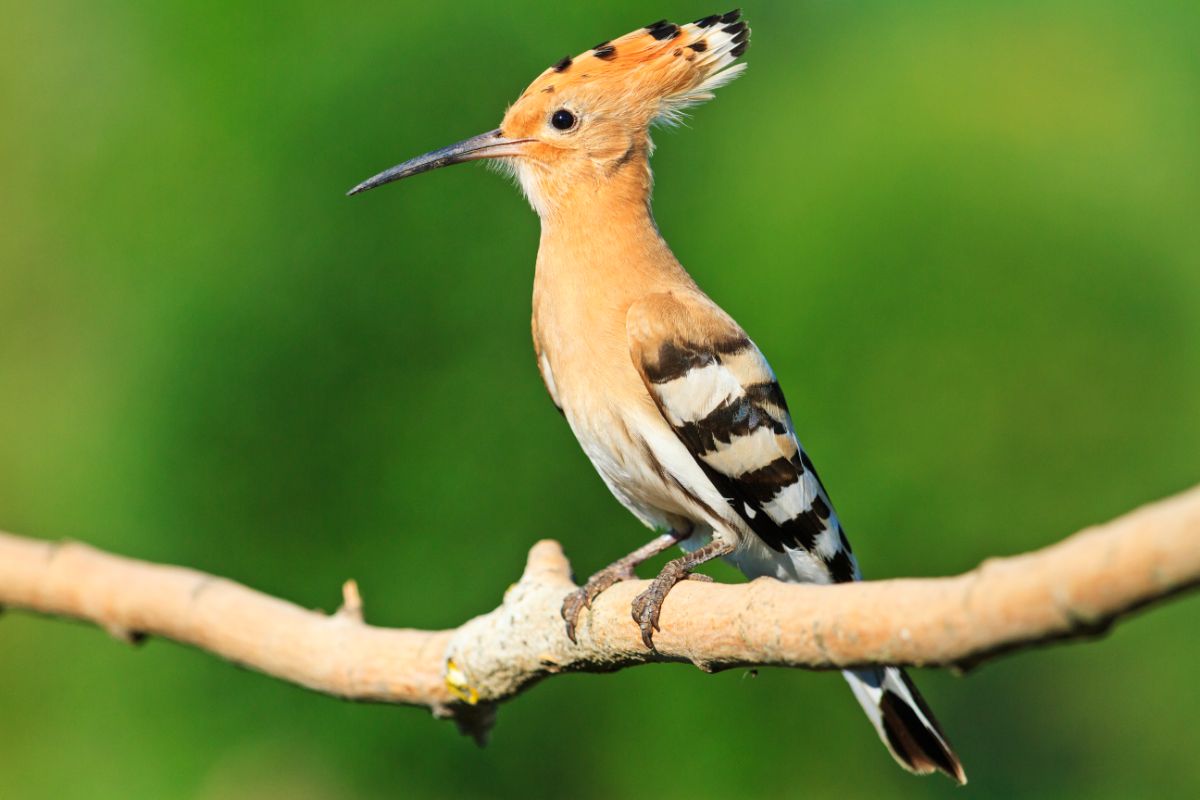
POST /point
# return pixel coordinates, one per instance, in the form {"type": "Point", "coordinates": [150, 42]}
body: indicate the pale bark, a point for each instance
{"type": "Point", "coordinates": [1075, 588]}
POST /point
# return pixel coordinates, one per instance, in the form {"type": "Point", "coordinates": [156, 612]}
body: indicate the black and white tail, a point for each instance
{"type": "Point", "coordinates": [904, 722]}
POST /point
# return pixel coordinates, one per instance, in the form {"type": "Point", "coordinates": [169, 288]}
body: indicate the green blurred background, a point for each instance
{"type": "Point", "coordinates": [966, 234]}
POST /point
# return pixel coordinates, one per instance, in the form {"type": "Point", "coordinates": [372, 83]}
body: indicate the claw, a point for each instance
{"type": "Point", "coordinates": [581, 598]}
{"type": "Point", "coordinates": [647, 606]}
{"type": "Point", "coordinates": [642, 615]}
{"type": "Point", "coordinates": [571, 608]}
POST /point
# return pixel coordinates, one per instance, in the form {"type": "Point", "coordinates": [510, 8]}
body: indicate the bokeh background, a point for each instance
{"type": "Point", "coordinates": [966, 234]}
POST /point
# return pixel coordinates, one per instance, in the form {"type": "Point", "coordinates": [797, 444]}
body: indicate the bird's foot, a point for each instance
{"type": "Point", "coordinates": [648, 604]}
{"type": "Point", "coordinates": [582, 598]}
{"type": "Point", "coordinates": [616, 572]}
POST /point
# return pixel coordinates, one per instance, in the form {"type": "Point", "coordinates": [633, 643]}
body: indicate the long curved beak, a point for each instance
{"type": "Point", "coordinates": [492, 144]}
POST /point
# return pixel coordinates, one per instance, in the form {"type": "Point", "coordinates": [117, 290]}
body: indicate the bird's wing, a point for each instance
{"type": "Point", "coordinates": [718, 394]}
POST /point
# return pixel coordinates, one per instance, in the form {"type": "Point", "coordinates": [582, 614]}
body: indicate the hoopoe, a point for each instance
{"type": "Point", "coordinates": [673, 403]}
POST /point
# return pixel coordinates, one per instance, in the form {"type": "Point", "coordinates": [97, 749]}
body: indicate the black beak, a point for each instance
{"type": "Point", "coordinates": [492, 144]}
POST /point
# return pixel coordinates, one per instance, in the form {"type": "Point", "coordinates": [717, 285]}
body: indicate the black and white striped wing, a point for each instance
{"type": "Point", "coordinates": [721, 399]}
{"type": "Point", "coordinates": [718, 394]}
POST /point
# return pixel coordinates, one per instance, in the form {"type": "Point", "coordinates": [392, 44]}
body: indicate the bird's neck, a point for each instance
{"type": "Point", "coordinates": [600, 253]}
{"type": "Point", "coordinates": [600, 236]}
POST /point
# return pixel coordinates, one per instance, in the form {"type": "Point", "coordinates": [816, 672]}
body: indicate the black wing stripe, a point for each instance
{"type": "Point", "coordinates": [802, 529]}
{"type": "Point", "coordinates": [677, 360]}
{"type": "Point", "coordinates": [735, 417]}
{"type": "Point", "coordinates": [747, 507]}
{"type": "Point", "coordinates": [761, 485]}
{"type": "Point", "coordinates": [841, 566]}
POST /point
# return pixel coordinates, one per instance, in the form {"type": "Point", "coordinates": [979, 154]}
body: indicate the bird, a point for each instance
{"type": "Point", "coordinates": [673, 403]}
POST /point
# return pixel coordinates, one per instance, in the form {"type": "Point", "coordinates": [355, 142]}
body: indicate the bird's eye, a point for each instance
{"type": "Point", "coordinates": [563, 120]}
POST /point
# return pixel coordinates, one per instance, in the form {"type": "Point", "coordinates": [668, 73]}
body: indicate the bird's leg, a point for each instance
{"type": "Point", "coordinates": [620, 570]}
{"type": "Point", "coordinates": [648, 604]}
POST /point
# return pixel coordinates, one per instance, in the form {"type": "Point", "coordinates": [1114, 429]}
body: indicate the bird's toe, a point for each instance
{"type": "Point", "coordinates": [647, 606]}
{"type": "Point", "coordinates": [572, 606]}
{"type": "Point", "coordinates": [574, 603]}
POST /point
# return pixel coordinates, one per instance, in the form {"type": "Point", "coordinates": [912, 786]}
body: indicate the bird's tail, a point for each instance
{"type": "Point", "coordinates": [905, 724]}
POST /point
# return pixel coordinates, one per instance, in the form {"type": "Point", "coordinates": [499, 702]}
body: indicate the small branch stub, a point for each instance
{"type": "Point", "coordinates": [352, 605]}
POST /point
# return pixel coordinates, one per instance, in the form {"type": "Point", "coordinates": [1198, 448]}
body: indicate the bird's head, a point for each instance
{"type": "Point", "coordinates": [586, 119]}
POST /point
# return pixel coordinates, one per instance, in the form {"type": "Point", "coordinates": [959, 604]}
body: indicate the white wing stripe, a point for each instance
{"type": "Point", "coordinates": [789, 502]}
{"type": "Point", "coordinates": [744, 453]}
{"type": "Point", "coordinates": [698, 393]}
{"type": "Point", "coordinates": [827, 545]}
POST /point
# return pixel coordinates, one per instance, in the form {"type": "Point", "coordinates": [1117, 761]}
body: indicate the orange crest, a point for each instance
{"type": "Point", "coordinates": [652, 74]}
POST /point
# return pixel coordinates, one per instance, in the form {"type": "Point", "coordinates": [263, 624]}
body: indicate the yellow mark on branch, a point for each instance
{"type": "Point", "coordinates": [457, 683]}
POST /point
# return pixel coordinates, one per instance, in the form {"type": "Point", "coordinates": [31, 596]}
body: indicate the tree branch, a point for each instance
{"type": "Point", "coordinates": [1076, 588]}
